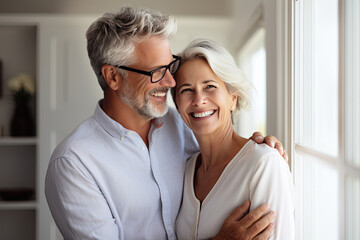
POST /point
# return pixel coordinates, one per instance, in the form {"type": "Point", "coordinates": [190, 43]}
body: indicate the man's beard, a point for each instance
{"type": "Point", "coordinates": [146, 109]}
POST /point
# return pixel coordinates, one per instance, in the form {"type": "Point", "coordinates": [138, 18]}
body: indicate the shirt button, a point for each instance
{"type": "Point", "coordinates": [169, 228]}
{"type": "Point", "coordinates": [143, 148]}
{"type": "Point", "coordinates": [128, 133]}
{"type": "Point", "coordinates": [122, 138]}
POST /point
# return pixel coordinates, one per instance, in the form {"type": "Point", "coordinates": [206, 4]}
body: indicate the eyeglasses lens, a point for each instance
{"type": "Point", "coordinates": [160, 73]}
{"type": "Point", "coordinates": [174, 67]}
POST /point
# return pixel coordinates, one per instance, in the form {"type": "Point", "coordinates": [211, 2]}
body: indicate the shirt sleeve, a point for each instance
{"type": "Point", "coordinates": [76, 202]}
{"type": "Point", "coordinates": [272, 183]}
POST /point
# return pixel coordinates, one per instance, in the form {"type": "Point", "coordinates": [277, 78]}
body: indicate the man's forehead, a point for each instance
{"type": "Point", "coordinates": [153, 51]}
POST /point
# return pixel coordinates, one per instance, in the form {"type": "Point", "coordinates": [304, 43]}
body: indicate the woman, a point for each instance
{"type": "Point", "coordinates": [229, 169]}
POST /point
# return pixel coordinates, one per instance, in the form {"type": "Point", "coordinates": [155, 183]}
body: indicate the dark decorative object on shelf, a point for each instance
{"type": "Point", "coordinates": [16, 194]}
{"type": "Point", "coordinates": [22, 122]}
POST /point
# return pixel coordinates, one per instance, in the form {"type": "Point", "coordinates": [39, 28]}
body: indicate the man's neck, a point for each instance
{"type": "Point", "coordinates": [127, 117]}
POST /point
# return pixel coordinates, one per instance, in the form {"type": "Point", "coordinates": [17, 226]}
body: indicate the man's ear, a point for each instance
{"type": "Point", "coordinates": [111, 76]}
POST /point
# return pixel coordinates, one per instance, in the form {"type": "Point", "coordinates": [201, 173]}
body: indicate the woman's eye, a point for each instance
{"type": "Point", "coordinates": [210, 86]}
{"type": "Point", "coordinates": [186, 90]}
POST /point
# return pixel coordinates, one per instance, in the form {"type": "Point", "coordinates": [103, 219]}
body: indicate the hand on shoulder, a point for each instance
{"type": "Point", "coordinates": [272, 142]}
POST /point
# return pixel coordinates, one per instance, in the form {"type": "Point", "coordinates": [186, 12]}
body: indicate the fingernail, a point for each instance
{"type": "Point", "coordinates": [272, 144]}
{"type": "Point", "coordinates": [259, 139]}
{"type": "Point", "coordinates": [267, 206]}
{"type": "Point", "coordinates": [281, 151]}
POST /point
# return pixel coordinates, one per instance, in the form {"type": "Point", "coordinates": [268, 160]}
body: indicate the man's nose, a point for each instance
{"type": "Point", "coordinates": [168, 80]}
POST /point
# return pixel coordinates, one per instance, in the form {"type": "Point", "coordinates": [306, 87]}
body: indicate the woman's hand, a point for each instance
{"type": "Point", "coordinates": [270, 141]}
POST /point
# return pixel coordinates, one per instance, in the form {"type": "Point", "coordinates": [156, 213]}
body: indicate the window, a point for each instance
{"type": "Point", "coordinates": [326, 117]}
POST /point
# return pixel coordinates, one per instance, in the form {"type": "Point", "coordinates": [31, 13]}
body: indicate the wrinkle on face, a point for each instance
{"type": "Point", "coordinates": [137, 88]}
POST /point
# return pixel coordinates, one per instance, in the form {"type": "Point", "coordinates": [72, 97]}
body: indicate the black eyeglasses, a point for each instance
{"type": "Point", "coordinates": [158, 73]}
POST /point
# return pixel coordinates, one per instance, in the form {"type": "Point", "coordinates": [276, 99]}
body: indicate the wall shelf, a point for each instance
{"type": "Point", "coordinates": [18, 205]}
{"type": "Point", "coordinates": [16, 141]}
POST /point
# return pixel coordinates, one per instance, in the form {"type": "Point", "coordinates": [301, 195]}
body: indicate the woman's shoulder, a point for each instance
{"type": "Point", "coordinates": [261, 154]}
{"type": "Point", "coordinates": [261, 150]}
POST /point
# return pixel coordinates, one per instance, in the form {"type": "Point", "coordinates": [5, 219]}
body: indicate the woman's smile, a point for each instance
{"type": "Point", "coordinates": [202, 114]}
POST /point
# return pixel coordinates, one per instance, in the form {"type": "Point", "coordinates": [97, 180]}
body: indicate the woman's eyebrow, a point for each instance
{"type": "Point", "coordinates": [189, 85]}
{"type": "Point", "coordinates": [184, 85]}
{"type": "Point", "coordinates": [207, 81]}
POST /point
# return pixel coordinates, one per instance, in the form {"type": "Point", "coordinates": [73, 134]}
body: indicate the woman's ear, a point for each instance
{"type": "Point", "coordinates": [234, 102]}
{"type": "Point", "coordinates": [111, 76]}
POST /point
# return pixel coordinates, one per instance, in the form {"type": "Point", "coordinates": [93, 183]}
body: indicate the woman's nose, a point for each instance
{"type": "Point", "coordinates": [199, 99]}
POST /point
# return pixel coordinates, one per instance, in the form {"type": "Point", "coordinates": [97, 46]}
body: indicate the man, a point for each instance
{"type": "Point", "coordinates": [119, 175]}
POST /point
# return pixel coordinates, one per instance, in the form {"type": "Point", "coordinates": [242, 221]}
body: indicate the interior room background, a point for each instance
{"type": "Point", "coordinates": [302, 57]}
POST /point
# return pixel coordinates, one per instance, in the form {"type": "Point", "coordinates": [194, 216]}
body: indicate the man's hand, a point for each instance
{"type": "Point", "coordinates": [272, 142]}
{"type": "Point", "coordinates": [245, 226]}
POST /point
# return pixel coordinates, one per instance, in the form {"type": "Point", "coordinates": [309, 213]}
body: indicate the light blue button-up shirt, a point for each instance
{"type": "Point", "coordinates": [104, 183]}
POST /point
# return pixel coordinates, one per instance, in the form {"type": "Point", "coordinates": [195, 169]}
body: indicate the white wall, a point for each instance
{"type": "Point", "coordinates": [245, 14]}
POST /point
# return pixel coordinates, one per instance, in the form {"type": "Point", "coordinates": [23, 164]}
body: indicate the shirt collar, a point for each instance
{"type": "Point", "coordinates": [114, 128]}
{"type": "Point", "coordinates": [157, 122]}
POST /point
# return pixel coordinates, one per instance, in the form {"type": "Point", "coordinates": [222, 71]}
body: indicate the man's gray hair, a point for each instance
{"type": "Point", "coordinates": [223, 65]}
{"type": "Point", "coordinates": [111, 38]}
